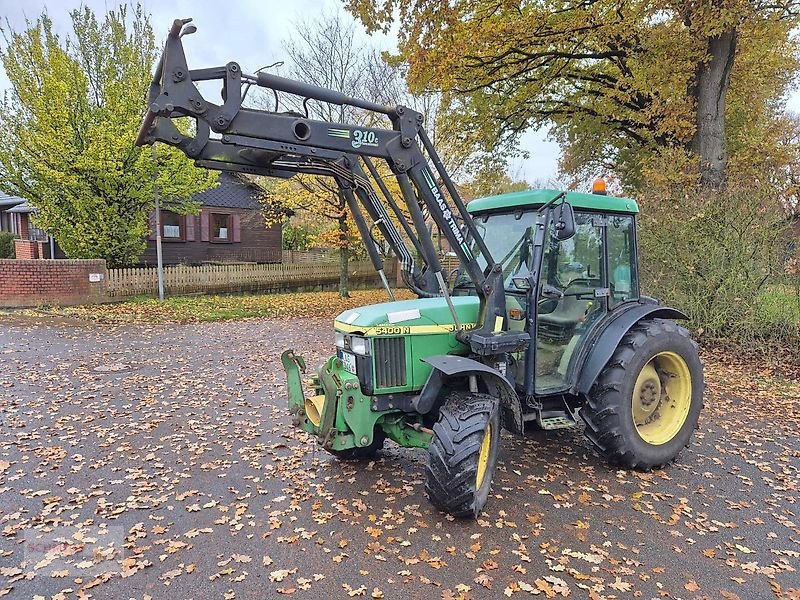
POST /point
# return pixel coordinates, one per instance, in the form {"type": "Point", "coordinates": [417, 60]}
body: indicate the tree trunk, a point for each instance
{"type": "Point", "coordinates": [344, 256]}
{"type": "Point", "coordinates": [712, 80]}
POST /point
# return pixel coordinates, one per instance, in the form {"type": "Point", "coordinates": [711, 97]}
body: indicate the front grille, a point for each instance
{"type": "Point", "coordinates": [390, 362]}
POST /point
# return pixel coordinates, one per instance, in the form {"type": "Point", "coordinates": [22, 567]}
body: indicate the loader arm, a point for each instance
{"type": "Point", "coordinates": [282, 144]}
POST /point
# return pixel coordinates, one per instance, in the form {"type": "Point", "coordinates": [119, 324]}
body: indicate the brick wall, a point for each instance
{"type": "Point", "coordinates": [55, 282]}
{"type": "Point", "coordinates": [26, 249]}
{"type": "Point", "coordinates": [24, 225]}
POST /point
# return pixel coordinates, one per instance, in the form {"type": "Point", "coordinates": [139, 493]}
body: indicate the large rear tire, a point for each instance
{"type": "Point", "coordinates": [645, 404]}
{"type": "Point", "coordinates": [463, 453]}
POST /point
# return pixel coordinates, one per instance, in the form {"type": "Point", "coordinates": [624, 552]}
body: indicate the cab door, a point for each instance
{"type": "Point", "coordinates": [572, 298]}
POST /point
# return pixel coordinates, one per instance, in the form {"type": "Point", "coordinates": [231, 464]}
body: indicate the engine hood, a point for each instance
{"type": "Point", "coordinates": [409, 317]}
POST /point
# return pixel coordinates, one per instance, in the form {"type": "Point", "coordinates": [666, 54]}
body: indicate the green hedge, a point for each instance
{"type": "Point", "coordinates": [7, 245]}
{"type": "Point", "coordinates": [721, 259]}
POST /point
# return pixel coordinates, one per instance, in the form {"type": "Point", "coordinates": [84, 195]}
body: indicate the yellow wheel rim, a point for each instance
{"type": "Point", "coordinates": [483, 456]}
{"type": "Point", "coordinates": [314, 406]}
{"type": "Point", "coordinates": [661, 398]}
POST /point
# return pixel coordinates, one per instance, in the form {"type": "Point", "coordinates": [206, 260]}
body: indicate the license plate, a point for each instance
{"type": "Point", "coordinates": [348, 362]}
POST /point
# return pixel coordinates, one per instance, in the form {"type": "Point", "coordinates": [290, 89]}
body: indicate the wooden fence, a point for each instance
{"type": "Point", "coordinates": [310, 256]}
{"type": "Point", "coordinates": [236, 278]}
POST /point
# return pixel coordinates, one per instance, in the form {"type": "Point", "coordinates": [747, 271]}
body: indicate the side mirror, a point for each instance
{"type": "Point", "coordinates": [563, 222]}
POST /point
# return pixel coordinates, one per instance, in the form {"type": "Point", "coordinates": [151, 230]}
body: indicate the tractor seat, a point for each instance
{"type": "Point", "coordinates": [569, 312]}
{"type": "Point", "coordinates": [559, 325]}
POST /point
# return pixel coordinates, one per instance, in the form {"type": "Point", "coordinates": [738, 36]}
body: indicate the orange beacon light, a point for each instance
{"type": "Point", "coordinates": [599, 186]}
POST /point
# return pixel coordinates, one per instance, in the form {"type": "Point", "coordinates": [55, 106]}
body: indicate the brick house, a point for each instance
{"type": "Point", "coordinates": [9, 222]}
{"type": "Point", "coordinates": [32, 242]}
{"type": "Point", "coordinates": [229, 228]}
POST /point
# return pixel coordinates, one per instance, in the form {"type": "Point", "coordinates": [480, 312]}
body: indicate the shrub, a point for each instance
{"type": "Point", "coordinates": [7, 245]}
{"type": "Point", "coordinates": [721, 258]}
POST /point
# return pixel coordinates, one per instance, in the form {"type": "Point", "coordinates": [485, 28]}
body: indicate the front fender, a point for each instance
{"type": "Point", "coordinates": [496, 384]}
{"type": "Point", "coordinates": [609, 338]}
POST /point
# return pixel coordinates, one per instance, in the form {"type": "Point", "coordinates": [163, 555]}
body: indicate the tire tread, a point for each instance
{"type": "Point", "coordinates": [602, 412]}
{"type": "Point", "coordinates": [452, 469]}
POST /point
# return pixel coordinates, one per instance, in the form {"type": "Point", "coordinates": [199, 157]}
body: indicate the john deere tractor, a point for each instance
{"type": "Point", "coordinates": [543, 324]}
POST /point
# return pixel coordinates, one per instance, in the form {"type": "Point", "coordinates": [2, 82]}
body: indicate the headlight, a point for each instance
{"type": "Point", "coordinates": [359, 345]}
{"type": "Point", "coordinates": [338, 339]}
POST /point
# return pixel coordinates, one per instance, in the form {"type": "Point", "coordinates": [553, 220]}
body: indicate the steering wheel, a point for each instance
{"type": "Point", "coordinates": [552, 292]}
{"type": "Point", "coordinates": [453, 274]}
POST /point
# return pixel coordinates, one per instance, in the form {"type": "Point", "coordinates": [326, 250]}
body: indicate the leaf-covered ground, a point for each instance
{"type": "Point", "coordinates": [191, 309]}
{"type": "Point", "coordinates": [156, 461]}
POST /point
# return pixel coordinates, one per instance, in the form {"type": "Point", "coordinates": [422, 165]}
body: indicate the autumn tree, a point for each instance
{"type": "Point", "coordinates": [617, 80]}
{"type": "Point", "coordinates": [67, 128]}
{"type": "Point", "coordinates": [326, 52]}
{"type": "Point", "coordinates": [789, 175]}
{"type": "Point", "coordinates": [323, 52]}
{"type": "Point", "coordinates": [468, 153]}
{"type": "Point", "coordinates": [499, 183]}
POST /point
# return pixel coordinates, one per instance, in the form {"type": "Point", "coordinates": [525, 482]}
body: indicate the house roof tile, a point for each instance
{"type": "Point", "coordinates": [232, 192]}
{"type": "Point", "coordinates": [7, 200]}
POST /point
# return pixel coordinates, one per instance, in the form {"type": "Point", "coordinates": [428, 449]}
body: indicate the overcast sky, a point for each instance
{"type": "Point", "coordinates": [251, 32]}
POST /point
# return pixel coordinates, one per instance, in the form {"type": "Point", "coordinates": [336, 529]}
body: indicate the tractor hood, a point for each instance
{"type": "Point", "coordinates": [409, 317]}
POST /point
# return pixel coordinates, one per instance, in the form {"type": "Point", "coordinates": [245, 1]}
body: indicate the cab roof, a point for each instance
{"type": "Point", "coordinates": [579, 200]}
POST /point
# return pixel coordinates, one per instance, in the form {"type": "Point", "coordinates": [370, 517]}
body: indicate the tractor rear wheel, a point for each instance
{"type": "Point", "coordinates": [365, 452]}
{"type": "Point", "coordinates": [645, 404]}
{"type": "Point", "coordinates": [463, 453]}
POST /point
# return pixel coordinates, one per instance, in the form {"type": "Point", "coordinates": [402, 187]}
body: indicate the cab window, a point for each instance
{"type": "Point", "coordinates": [622, 259]}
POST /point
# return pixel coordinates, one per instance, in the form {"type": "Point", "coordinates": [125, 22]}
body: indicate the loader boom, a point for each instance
{"type": "Point", "coordinates": [276, 144]}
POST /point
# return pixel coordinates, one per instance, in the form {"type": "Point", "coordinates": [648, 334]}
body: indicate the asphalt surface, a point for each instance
{"type": "Point", "coordinates": [157, 461]}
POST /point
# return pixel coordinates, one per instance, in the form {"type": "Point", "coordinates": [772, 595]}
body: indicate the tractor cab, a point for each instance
{"type": "Point", "coordinates": [581, 277]}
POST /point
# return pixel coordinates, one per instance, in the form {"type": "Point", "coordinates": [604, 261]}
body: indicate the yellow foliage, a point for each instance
{"type": "Point", "coordinates": [67, 130]}
{"type": "Point", "coordinates": [613, 79]}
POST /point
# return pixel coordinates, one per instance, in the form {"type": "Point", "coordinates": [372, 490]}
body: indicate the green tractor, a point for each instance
{"type": "Point", "coordinates": [603, 354]}
{"type": "Point", "coordinates": [542, 325]}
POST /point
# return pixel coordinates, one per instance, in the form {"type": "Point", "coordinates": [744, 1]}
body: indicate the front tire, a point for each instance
{"type": "Point", "coordinates": [463, 453]}
{"type": "Point", "coordinates": [645, 404]}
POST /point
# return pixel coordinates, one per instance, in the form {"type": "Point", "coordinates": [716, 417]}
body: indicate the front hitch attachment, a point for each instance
{"type": "Point", "coordinates": [294, 366]}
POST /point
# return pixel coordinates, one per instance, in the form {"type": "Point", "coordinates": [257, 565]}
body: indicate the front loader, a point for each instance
{"type": "Point", "coordinates": [542, 325]}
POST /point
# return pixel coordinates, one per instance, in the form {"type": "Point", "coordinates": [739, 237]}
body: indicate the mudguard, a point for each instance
{"type": "Point", "coordinates": [603, 346]}
{"type": "Point", "coordinates": [495, 383]}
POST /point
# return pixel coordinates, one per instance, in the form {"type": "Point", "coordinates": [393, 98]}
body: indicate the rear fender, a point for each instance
{"type": "Point", "coordinates": [495, 383]}
{"type": "Point", "coordinates": [608, 339]}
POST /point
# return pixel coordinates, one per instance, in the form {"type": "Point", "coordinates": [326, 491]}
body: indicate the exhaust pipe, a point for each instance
{"type": "Point", "coordinates": [313, 408]}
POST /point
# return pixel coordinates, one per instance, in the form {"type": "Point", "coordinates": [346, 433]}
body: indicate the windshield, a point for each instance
{"type": "Point", "coordinates": [509, 238]}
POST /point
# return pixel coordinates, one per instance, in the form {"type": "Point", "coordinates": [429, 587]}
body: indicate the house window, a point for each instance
{"type": "Point", "coordinates": [173, 226]}
{"type": "Point", "coordinates": [221, 230]}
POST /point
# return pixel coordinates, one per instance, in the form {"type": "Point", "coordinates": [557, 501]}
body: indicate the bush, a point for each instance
{"type": "Point", "coordinates": [7, 245]}
{"type": "Point", "coordinates": [721, 258]}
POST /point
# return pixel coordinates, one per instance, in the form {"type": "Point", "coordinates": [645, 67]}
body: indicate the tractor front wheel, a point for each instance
{"type": "Point", "coordinates": [463, 453]}
{"type": "Point", "coordinates": [645, 404]}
